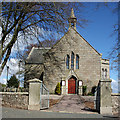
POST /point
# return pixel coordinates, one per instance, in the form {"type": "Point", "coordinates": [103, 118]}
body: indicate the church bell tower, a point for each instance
{"type": "Point", "coordinates": [72, 20]}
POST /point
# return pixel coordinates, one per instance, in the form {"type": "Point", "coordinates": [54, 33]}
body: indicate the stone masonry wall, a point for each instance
{"type": "Point", "coordinates": [15, 100]}
{"type": "Point", "coordinates": [115, 103]}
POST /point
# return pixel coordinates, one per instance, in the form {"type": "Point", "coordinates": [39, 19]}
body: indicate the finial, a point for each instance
{"type": "Point", "coordinates": [72, 20]}
{"type": "Point", "coordinates": [72, 13]}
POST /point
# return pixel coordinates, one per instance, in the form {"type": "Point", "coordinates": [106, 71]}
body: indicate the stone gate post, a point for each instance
{"type": "Point", "coordinates": [63, 87]}
{"type": "Point", "coordinates": [34, 94]}
{"type": "Point", "coordinates": [80, 86]}
{"type": "Point", "coordinates": [105, 97]}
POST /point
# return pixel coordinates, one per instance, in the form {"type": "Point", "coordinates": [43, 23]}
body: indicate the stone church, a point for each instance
{"type": "Point", "coordinates": [72, 61]}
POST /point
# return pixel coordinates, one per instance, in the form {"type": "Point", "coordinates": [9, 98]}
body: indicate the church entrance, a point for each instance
{"type": "Point", "coordinates": [72, 85]}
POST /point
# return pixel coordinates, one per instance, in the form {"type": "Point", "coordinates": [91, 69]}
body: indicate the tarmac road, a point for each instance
{"type": "Point", "coordinates": [19, 113]}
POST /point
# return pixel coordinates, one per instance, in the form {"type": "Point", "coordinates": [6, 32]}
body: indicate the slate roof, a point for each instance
{"type": "Point", "coordinates": [36, 55]}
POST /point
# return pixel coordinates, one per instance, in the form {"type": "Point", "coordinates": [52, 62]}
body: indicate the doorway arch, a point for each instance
{"type": "Point", "coordinates": [72, 85]}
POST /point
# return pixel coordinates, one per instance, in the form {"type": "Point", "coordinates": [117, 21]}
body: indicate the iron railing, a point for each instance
{"type": "Point", "coordinates": [44, 97]}
{"type": "Point", "coordinates": [97, 98]}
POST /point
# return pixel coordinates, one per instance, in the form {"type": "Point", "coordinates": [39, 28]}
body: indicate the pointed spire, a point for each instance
{"type": "Point", "coordinates": [72, 13]}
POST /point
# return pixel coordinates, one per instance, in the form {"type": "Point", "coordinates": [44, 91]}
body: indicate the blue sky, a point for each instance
{"type": "Point", "coordinates": [101, 26]}
{"type": "Point", "coordinates": [97, 32]}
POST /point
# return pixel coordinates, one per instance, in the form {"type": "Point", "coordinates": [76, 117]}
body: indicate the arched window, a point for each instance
{"type": "Point", "coordinates": [67, 61]}
{"type": "Point", "coordinates": [72, 60]}
{"type": "Point", "coordinates": [105, 73]}
{"type": "Point", "coordinates": [102, 73]}
{"type": "Point", "coordinates": [77, 61]}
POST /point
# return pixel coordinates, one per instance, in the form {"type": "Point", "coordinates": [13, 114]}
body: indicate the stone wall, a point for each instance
{"type": "Point", "coordinates": [115, 103]}
{"type": "Point", "coordinates": [15, 99]}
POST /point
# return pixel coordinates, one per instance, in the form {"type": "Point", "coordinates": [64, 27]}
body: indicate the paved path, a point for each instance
{"type": "Point", "coordinates": [70, 104]}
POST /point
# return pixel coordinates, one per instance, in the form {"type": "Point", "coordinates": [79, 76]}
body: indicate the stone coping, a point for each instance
{"type": "Point", "coordinates": [106, 80]}
{"type": "Point", "coordinates": [115, 94]}
{"type": "Point", "coordinates": [12, 93]}
{"type": "Point", "coordinates": [34, 80]}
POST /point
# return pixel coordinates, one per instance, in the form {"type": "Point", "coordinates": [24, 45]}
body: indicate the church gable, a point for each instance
{"type": "Point", "coordinates": [71, 41]}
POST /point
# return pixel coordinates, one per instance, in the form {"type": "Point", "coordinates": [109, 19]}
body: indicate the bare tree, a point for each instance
{"type": "Point", "coordinates": [26, 19]}
{"type": "Point", "coordinates": [115, 51]}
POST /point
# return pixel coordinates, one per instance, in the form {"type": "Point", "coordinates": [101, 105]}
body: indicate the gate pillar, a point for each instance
{"type": "Point", "coordinates": [34, 94]}
{"type": "Point", "coordinates": [80, 85]}
{"type": "Point", "coordinates": [105, 97]}
{"type": "Point", "coordinates": [63, 88]}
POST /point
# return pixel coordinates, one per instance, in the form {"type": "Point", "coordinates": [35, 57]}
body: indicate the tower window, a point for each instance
{"type": "Point", "coordinates": [72, 24]}
{"type": "Point", "coordinates": [72, 60]}
{"type": "Point", "coordinates": [67, 61]}
{"type": "Point", "coordinates": [102, 73]}
{"type": "Point", "coordinates": [105, 73]}
{"type": "Point", "coordinates": [77, 61]}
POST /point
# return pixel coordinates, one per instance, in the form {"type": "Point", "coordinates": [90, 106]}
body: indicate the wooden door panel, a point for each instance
{"type": "Point", "coordinates": [71, 86]}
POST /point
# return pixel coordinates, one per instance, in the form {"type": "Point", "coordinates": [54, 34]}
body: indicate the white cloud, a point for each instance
{"type": "Point", "coordinates": [114, 81]}
{"type": "Point", "coordinates": [4, 81]}
{"type": "Point", "coordinates": [114, 86]}
{"type": "Point", "coordinates": [13, 65]}
{"type": "Point", "coordinates": [15, 61]}
{"type": "Point", "coordinates": [3, 77]}
{"type": "Point", "coordinates": [13, 69]}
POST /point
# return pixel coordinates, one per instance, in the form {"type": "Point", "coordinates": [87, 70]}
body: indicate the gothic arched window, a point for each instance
{"type": "Point", "coordinates": [67, 61]}
{"type": "Point", "coordinates": [102, 73]}
{"type": "Point", "coordinates": [77, 61]}
{"type": "Point", "coordinates": [72, 60]}
{"type": "Point", "coordinates": [105, 73]}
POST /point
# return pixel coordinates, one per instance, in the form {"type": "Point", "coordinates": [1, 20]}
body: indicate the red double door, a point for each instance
{"type": "Point", "coordinates": [71, 86]}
